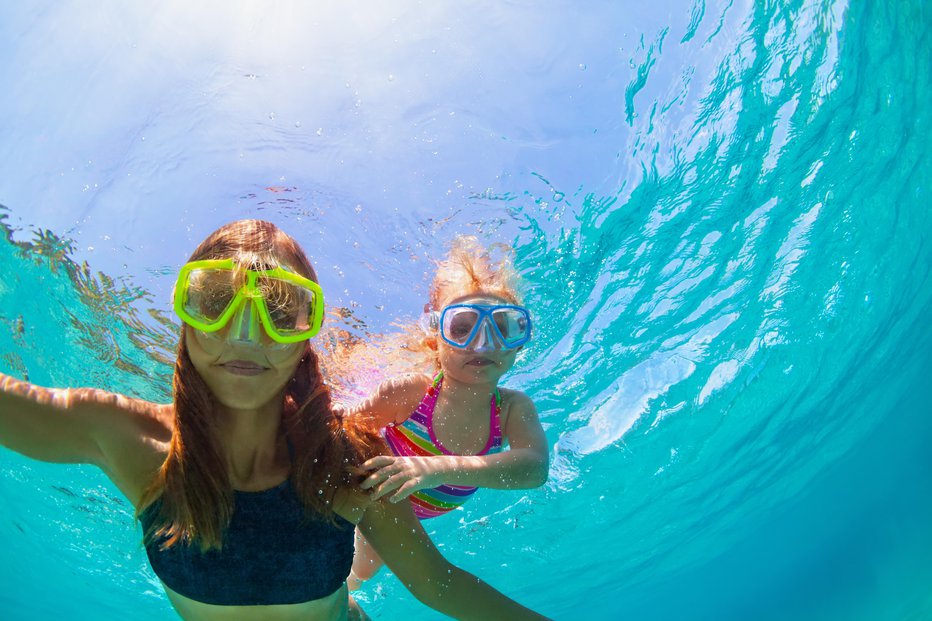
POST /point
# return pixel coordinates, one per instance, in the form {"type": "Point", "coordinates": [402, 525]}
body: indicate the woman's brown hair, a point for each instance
{"type": "Point", "coordinates": [193, 487]}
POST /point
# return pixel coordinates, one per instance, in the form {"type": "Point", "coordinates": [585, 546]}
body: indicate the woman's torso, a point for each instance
{"type": "Point", "coordinates": [134, 469]}
{"type": "Point", "coordinates": [273, 552]}
{"type": "Point", "coordinates": [330, 608]}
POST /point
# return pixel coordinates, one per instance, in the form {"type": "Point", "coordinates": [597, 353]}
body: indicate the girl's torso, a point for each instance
{"type": "Point", "coordinates": [417, 436]}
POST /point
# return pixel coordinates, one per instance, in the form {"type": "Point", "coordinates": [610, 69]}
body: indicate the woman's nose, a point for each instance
{"type": "Point", "coordinates": [244, 327]}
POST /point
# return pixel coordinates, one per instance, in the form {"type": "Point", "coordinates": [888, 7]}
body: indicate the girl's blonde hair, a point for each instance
{"type": "Point", "coordinates": [472, 269]}
{"type": "Point", "coordinates": [355, 366]}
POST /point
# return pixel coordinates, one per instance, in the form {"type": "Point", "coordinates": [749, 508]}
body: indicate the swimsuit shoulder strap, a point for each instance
{"type": "Point", "coordinates": [494, 443]}
{"type": "Point", "coordinates": [429, 401]}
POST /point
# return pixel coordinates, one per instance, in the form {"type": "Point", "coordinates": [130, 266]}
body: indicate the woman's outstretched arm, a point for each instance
{"type": "Point", "coordinates": [400, 540]}
{"type": "Point", "coordinates": [75, 425]}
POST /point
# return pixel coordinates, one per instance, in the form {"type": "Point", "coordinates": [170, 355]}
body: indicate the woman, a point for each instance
{"type": "Point", "coordinates": [242, 483]}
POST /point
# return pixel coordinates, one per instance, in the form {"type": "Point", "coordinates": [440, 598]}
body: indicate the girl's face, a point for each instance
{"type": "Point", "coordinates": [483, 362]}
{"type": "Point", "coordinates": [242, 375]}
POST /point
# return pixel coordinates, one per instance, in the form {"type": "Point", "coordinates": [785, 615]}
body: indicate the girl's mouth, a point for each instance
{"type": "Point", "coordinates": [481, 362]}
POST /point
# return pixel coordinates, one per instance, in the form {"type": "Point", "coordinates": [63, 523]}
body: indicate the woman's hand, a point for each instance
{"type": "Point", "coordinates": [401, 476]}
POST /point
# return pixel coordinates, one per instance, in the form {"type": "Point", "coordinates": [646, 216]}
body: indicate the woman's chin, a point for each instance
{"type": "Point", "coordinates": [246, 392]}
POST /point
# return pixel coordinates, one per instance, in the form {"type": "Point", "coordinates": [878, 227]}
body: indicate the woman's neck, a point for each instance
{"type": "Point", "coordinates": [253, 446]}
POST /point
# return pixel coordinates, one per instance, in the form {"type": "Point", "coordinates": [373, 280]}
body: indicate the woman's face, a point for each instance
{"type": "Point", "coordinates": [242, 365]}
{"type": "Point", "coordinates": [242, 374]}
{"type": "Point", "coordinates": [482, 363]}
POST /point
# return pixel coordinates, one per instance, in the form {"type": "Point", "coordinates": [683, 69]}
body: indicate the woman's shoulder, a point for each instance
{"type": "Point", "coordinates": [351, 503]}
{"type": "Point", "coordinates": [138, 417]}
{"type": "Point", "coordinates": [135, 443]}
{"type": "Point", "coordinates": [111, 415]}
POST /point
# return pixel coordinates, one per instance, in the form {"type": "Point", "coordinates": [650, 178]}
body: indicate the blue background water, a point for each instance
{"type": "Point", "coordinates": [720, 209]}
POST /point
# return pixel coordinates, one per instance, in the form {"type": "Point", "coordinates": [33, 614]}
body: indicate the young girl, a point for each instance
{"type": "Point", "coordinates": [447, 424]}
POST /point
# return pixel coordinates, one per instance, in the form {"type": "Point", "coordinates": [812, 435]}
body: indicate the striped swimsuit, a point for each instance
{"type": "Point", "coordinates": [414, 437]}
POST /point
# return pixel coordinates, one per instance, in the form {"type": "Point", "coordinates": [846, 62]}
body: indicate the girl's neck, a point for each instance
{"type": "Point", "coordinates": [465, 393]}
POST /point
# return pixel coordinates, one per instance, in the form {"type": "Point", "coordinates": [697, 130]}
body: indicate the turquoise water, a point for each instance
{"type": "Point", "coordinates": [720, 209]}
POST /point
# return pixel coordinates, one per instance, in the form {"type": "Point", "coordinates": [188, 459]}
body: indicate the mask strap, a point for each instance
{"type": "Point", "coordinates": [429, 322]}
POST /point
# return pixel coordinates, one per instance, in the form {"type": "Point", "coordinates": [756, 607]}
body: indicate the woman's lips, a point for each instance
{"type": "Point", "coordinates": [243, 367]}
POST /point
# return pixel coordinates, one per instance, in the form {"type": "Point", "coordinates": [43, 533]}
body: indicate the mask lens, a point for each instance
{"type": "Point", "coordinates": [513, 324]}
{"type": "Point", "coordinates": [290, 306]}
{"type": "Point", "coordinates": [208, 293]}
{"type": "Point", "coordinates": [458, 325]}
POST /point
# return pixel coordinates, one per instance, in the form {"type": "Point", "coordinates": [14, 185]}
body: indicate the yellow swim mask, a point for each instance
{"type": "Point", "coordinates": [208, 294]}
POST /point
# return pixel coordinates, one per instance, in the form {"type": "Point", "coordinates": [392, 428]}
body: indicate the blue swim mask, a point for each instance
{"type": "Point", "coordinates": [475, 326]}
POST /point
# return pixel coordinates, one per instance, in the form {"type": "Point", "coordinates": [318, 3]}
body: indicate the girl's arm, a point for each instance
{"type": "Point", "coordinates": [400, 540]}
{"type": "Point", "coordinates": [77, 425]}
{"type": "Point", "coordinates": [394, 400]}
{"type": "Point", "coordinates": [523, 466]}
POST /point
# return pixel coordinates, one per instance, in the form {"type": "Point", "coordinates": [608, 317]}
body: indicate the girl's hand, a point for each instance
{"type": "Point", "coordinates": [401, 476]}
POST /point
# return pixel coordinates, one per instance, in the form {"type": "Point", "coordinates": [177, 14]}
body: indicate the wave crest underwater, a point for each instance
{"type": "Point", "coordinates": [720, 210]}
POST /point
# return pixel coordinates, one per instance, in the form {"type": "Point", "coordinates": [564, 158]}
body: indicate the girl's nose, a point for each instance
{"type": "Point", "coordinates": [485, 339]}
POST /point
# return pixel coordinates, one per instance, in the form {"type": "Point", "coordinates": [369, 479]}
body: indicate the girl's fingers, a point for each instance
{"type": "Point", "coordinates": [389, 485]}
{"type": "Point", "coordinates": [380, 475]}
{"type": "Point", "coordinates": [378, 462]}
{"type": "Point", "coordinates": [372, 480]}
{"type": "Point", "coordinates": [404, 491]}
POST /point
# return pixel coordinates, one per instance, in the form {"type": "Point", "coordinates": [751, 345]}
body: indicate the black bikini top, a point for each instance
{"type": "Point", "coordinates": [272, 553]}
